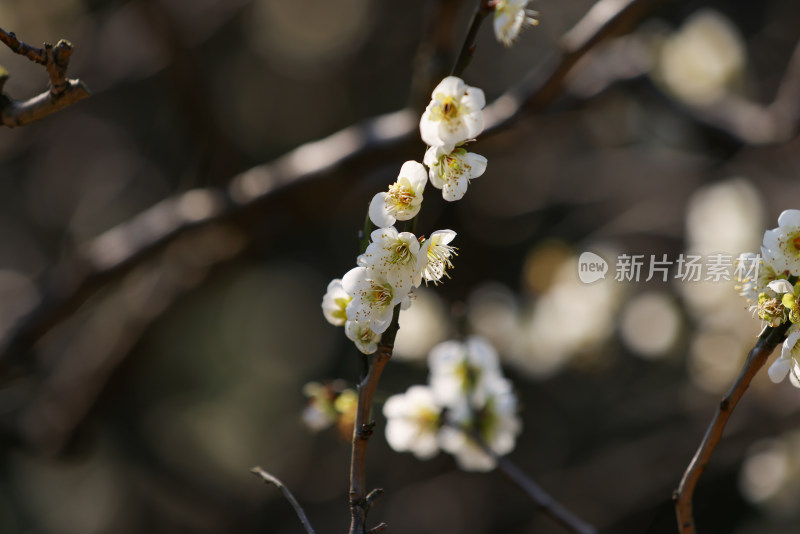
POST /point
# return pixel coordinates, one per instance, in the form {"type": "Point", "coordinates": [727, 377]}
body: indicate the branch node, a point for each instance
{"type": "Point", "coordinates": [366, 430]}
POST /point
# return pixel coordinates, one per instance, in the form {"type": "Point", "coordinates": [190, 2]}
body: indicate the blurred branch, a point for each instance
{"type": "Point", "coordinates": [767, 341]}
{"type": "Point", "coordinates": [63, 91]}
{"type": "Point", "coordinates": [544, 502]}
{"type": "Point", "coordinates": [252, 193]}
{"type": "Point", "coordinates": [288, 494]}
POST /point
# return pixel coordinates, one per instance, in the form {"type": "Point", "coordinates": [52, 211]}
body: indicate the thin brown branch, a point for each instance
{"type": "Point", "coordinates": [63, 91]}
{"type": "Point", "coordinates": [434, 53]}
{"type": "Point", "coordinates": [270, 479]}
{"type": "Point", "coordinates": [767, 341]}
{"type": "Point", "coordinates": [468, 48]}
{"type": "Point", "coordinates": [259, 190]}
{"type": "Point", "coordinates": [360, 501]}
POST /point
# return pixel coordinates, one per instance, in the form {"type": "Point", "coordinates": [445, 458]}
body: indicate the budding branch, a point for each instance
{"type": "Point", "coordinates": [63, 91]}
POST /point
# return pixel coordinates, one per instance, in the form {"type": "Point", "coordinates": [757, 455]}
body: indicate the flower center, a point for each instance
{"type": "Point", "coordinates": [446, 110]}
{"type": "Point", "coordinates": [399, 198]}
{"type": "Point", "coordinates": [380, 294]}
{"type": "Point", "coordinates": [401, 254]}
{"type": "Point", "coordinates": [793, 240]}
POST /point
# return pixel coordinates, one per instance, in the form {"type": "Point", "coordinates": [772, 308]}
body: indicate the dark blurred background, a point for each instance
{"type": "Point", "coordinates": [142, 404]}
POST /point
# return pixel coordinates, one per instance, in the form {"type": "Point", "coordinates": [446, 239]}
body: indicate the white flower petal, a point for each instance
{"type": "Point", "coordinates": [352, 278]}
{"type": "Point", "coordinates": [378, 213]}
{"type": "Point", "coordinates": [789, 218]}
{"type": "Point", "coordinates": [451, 85]}
{"type": "Point", "coordinates": [415, 173]}
{"type": "Point", "coordinates": [781, 286]}
{"type": "Point", "coordinates": [789, 344]}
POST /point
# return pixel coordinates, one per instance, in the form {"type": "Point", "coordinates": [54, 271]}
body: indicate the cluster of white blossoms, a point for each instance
{"type": "Point", "coordinates": [467, 404]}
{"type": "Point", "coordinates": [774, 292]}
{"type": "Point", "coordinates": [396, 261]}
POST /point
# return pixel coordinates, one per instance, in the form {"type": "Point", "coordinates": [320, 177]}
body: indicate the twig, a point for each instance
{"type": "Point", "coordinates": [544, 502]}
{"type": "Point", "coordinates": [468, 48]}
{"type": "Point", "coordinates": [767, 341]}
{"type": "Point", "coordinates": [63, 92]}
{"type": "Point", "coordinates": [360, 501]}
{"type": "Point", "coordinates": [288, 494]}
{"type": "Point", "coordinates": [109, 256]}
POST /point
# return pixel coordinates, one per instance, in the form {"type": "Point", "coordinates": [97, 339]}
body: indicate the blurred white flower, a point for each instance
{"type": "Point", "coordinates": [374, 297]}
{"type": "Point", "coordinates": [781, 246]}
{"type": "Point", "coordinates": [770, 475]}
{"type": "Point", "coordinates": [435, 255]}
{"type": "Point", "coordinates": [453, 115]}
{"type": "Point", "coordinates": [509, 18]}
{"type": "Point", "coordinates": [494, 422]}
{"type": "Point", "coordinates": [699, 62]}
{"type": "Point", "coordinates": [452, 172]}
{"type": "Point", "coordinates": [394, 255]}
{"type": "Point", "coordinates": [334, 303]}
{"type": "Point", "coordinates": [404, 198]}
{"type": "Point", "coordinates": [460, 373]}
{"type": "Point", "coordinates": [413, 422]}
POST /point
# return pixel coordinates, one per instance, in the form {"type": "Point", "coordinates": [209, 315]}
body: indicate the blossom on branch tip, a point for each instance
{"type": "Point", "coordinates": [453, 115]}
{"type": "Point", "coordinates": [434, 255]}
{"type": "Point", "coordinates": [510, 16]}
{"type": "Point", "coordinates": [404, 198]}
{"type": "Point", "coordinates": [413, 421]}
{"type": "Point", "coordinates": [781, 246]}
{"type": "Point", "coordinates": [374, 297]}
{"type": "Point", "coordinates": [334, 303]}
{"type": "Point", "coordinates": [451, 172]}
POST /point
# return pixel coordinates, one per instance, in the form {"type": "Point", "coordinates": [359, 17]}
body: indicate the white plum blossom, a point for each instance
{"type": "Point", "coordinates": [413, 422]}
{"type": "Point", "coordinates": [509, 18]}
{"type": "Point", "coordinates": [781, 246]}
{"type": "Point", "coordinates": [334, 303]}
{"type": "Point", "coordinates": [374, 297]}
{"type": "Point", "coordinates": [453, 115]}
{"type": "Point", "coordinates": [788, 361]}
{"type": "Point", "coordinates": [460, 372]}
{"type": "Point", "coordinates": [451, 172]}
{"type": "Point", "coordinates": [362, 335]}
{"type": "Point", "coordinates": [404, 198]}
{"type": "Point", "coordinates": [494, 422]}
{"type": "Point", "coordinates": [393, 254]}
{"type": "Point", "coordinates": [434, 255]}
